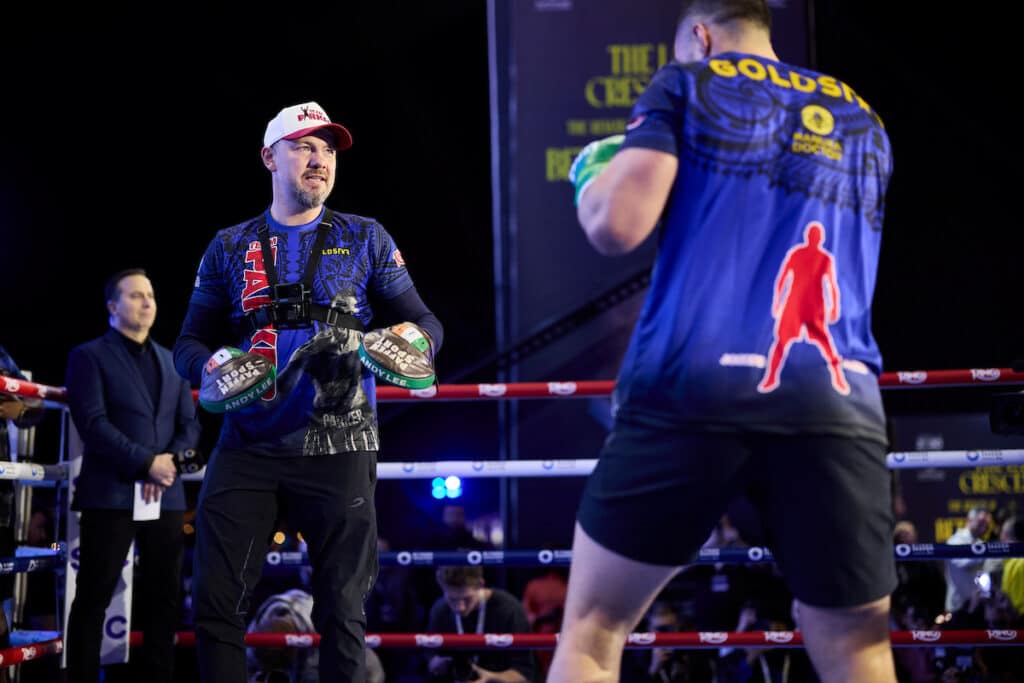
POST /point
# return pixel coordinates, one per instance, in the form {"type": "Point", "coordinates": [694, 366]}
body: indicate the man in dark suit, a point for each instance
{"type": "Point", "coordinates": [134, 414]}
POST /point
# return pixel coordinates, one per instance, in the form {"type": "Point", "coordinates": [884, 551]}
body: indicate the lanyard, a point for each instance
{"type": "Point", "coordinates": [479, 618]}
{"type": "Point", "coordinates": [269, 265]}
{"type": "Point", "coordinates": [479, 622]}
{"type": "Point", "coordinates": [767, 673]}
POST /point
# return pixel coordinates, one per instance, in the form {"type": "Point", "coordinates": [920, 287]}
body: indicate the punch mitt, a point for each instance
{"type": "Point", "coordinates": [399, 355]}
{"type": "Point", "coordinates": [234, 378]}
{"type": "Point", "coordinates": [591, 160]}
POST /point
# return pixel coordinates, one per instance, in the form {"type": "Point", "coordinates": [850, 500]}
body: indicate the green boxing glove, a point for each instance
{"type": "Point", "coordinates": [591, 160]}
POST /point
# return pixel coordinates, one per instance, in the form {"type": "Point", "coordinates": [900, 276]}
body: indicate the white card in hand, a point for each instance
{"type": "Point", "coordinates": [143, 511]}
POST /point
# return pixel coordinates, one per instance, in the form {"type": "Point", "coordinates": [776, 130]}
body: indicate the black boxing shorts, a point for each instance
{"type": "Point", "coordinates": [824, 504]}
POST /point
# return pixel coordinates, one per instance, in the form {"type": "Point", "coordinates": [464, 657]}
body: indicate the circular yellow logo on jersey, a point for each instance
{"type": "Point", "coordinates": [817, 119]}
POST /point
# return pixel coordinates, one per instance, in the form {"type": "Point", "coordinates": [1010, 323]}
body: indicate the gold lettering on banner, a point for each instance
{"type": "Point", "coordinates": [557, 162]}
{"type": "Point", "coordinates": [991, 481]}
{"type": "Point", "coordinates": [602, 127]}
{"type": "Point", "coordinates": [963, 505]}
{"type": "Point", "coordinates": [611, 91]}
{"type": "Point", "coordinates": [631, 59]}
{"type": "Point", "coordinates": [944, 528]}
{"type": "Point", "coordinates": [631, 66]}
{"type": "Point", "coordinates": [593, 128]}
{"type": "Point", "coordinates": [576, 127]}
{"type": "Point", "coordinates": [1001, 483]}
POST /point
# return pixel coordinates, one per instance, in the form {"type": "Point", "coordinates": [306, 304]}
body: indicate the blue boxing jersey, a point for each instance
{"type": "Point", "coordinates": [323, 399]}
{"type": "Point", "coordinates": [758, 316]}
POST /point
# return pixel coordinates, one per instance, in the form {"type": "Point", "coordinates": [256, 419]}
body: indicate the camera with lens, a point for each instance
{"type": "Point", "coordinates": [289, 305]}
{"type": "Point", "coordinates": [459, 667]}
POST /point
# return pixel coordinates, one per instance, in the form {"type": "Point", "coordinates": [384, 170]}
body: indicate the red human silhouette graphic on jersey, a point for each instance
{"type": "Point", "coordinates": [801, 309]}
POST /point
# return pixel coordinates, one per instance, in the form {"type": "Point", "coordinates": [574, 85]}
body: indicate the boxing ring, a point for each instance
{"type": "Point", "coordinates": [33, 645]}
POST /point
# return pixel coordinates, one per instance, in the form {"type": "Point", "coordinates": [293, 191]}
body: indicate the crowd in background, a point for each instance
{"type": "Point", "coordinates": [952, 594]}
{"type": "Point", "coordinates": [703, 597]}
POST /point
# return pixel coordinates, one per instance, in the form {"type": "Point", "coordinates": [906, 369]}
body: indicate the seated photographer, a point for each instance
{"type": "Point", "coordinates": [665, 665]}
{"type": "Point", "coordinates": [292, 612]}
{"type": "Point", "coordinates": [467, 606]}
{"type": "Point", "coordinates": [765, 665]}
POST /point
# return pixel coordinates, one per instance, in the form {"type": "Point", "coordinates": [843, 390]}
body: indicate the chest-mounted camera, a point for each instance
{"type": "Point", "coordinates": [290, 306]}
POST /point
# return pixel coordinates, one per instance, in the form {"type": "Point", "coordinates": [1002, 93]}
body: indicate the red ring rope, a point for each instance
{"type": "Point", "coordinates": [25, 653]}
{"type": "Point", "coordinates": [469, 392]}
{"type": "Point", "coordinates": [693, 639]}
{"type": "Point", "coordinates": [690, 640]}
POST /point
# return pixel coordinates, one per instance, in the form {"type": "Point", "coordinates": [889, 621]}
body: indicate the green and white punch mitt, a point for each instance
{"type": "Point", "coordinates": [399, 355]}
{"type": "Point", "coordinates": [234, 378]}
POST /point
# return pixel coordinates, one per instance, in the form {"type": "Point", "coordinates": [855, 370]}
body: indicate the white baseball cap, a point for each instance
{"type": "Point", "coordinates": [302, 119]}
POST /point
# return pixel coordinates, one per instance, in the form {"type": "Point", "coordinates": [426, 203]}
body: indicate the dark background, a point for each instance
{"type": "Point", "coordinates": [129, 142]}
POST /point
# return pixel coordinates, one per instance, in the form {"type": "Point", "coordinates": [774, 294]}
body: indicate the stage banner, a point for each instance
{"type": "Point", "coordinates": [564, 73]}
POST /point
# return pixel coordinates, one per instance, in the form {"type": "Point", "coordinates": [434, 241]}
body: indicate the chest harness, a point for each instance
{"type": "Point", "coordinates": [291, 304]}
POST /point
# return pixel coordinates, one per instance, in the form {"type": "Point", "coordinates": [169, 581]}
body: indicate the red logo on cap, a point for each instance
{"type": "Point", "coordinates": [313, 114]}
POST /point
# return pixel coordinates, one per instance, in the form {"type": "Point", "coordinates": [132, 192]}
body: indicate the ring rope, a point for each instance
{"type": "Point", "coordinates": [581, 389]}
{"type": "Point", "coordinates": [30, 471]}
{"type": "Point", "coordinates": [55, 558]}
{"type": "Point", "coordinates": [454, 392]}
{"type": "Point", "coordinates": [25, 653]}
{"type": "Point", "coordinates": [637, 640]}
{"type": "Point", "coordinates": [690, 640]}
{"type": "Point", "coordinates": [37, 563]}
{"type": "Point", "coordinates": [477, 469]}
{"type": "Point", "coordinates": [581, 467]}
{"type": "Point", "coordinates": [548, 641]}
{"type": "Point", "coordinates": [562, 557]}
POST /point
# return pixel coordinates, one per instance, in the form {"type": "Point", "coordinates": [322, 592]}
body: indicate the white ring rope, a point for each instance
{"type": "Point", "coordinates": [482, 469]}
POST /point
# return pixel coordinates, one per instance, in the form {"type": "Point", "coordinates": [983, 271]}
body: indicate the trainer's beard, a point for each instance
{"type": "Point", "coordinates": [309, 199]}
